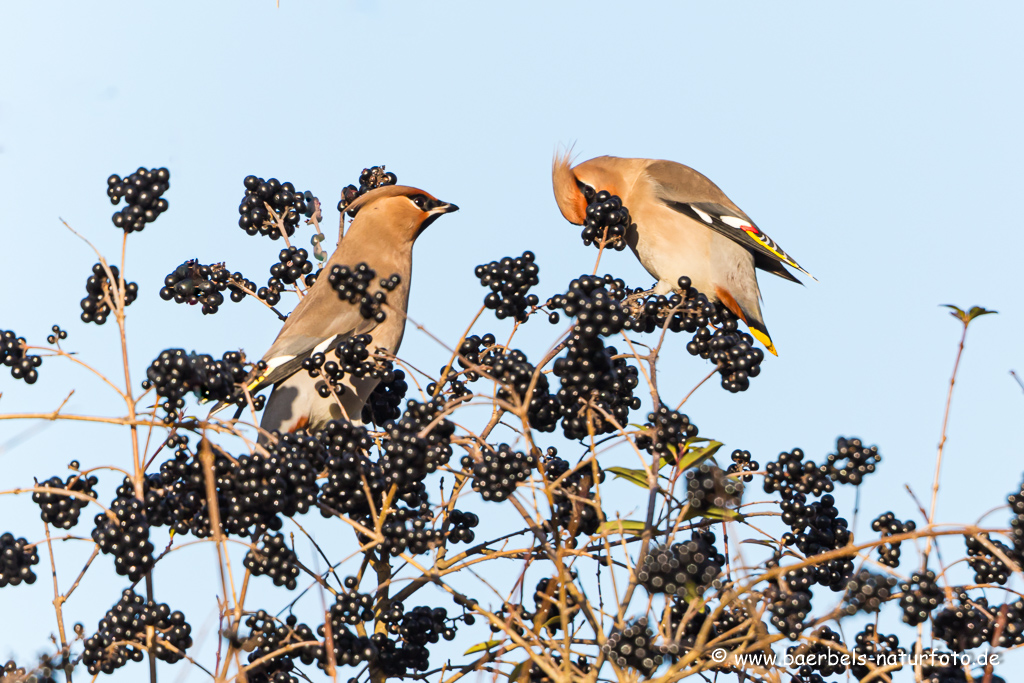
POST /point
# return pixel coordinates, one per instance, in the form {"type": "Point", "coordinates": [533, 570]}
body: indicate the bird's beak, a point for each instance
{"type": "Point", "coordinates": [435, 213]}
{"type": "Point", "coordinates": [444, 208]}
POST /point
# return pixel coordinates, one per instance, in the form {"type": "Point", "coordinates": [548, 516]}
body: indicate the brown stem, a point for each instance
{"type": "Point", "coordinates": [942, 444]}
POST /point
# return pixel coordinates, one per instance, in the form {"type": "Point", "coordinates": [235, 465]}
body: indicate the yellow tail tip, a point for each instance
{"type": "Point", "coordinates": [764, 339]}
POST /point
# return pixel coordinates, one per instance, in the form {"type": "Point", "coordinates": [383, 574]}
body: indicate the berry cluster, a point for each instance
{"type": "Point", "coordinates": [825, 660]}
{"type": "Point", "coordinates": [353, 285]}
{"type": "Point", "coordinates": [708, 487]}
{"type": "Point", "coordinates": [731, 350]}
{"type": "Point", "coordinates": [666, 433]}
{"type": "Point", "coordinates": [596, 303]}
{"type": "Point", "coordinates": [597, 388]}
{"type": "Point", "coordinates": [409, 530]}
{"type": "Point", "coordinates": [415, 628]}
{"type": "Point", "coordinates": [515, 375]}
{"type": "Point", "coordinates": [252, 491]}
{"type": "Point", "coordinates": [176, 496]}
{"type": "Point", "coordinates": [348, 467]}
{"type": "Point", "coordinates": [815, 529]}
{"type": "Point", "coordinates": [499, 471]}
{"type": "Point", "coordinates": [194, 283]}
{"type": "Point", "coordinates": [788, 610]}
{"type": "Point", "coordinates": [921, 595]}
{"type": "Point", "coordinates": [175, 373]}
{"type": "Point", "coordinates": [790, 474]}
{"type": "Point", "coordinates": [692, 565]}
{"type": "Point", "coordinates": [274, 559]}
{"type": "Point", "coordinates": [142, 192]}
{"type": "Point", "coordinates": [370, 179]}
{"type": "Point", "coordinates": [685, 621]}
{"type": "Point", "coordinates": [356, 359]}
{"type": "Point", "coordinates": [435, 443]}
{"type": "Point", "coordinates": [12, 354]}
{"type": "Point", "coordinates": [270, 204]}
{"type": "Point", "coordinates": [274, 646]}
{"type": "Point", "coordinates": [985, 562]}
{"type": "Point", "coordinates": [742, 462]}
{"type": "Point", "coordinates": [607, 220]}
{"type": "Point", "coordinates": [57, 335]}
{"type": "Point", "coordinates": [510, 281]}
{"type": "Point", "coordinates": [873, 649]}
{"type": "Point", "coordinates": [397, 662]}
{"type": "Point", "coordinates": [852, 461]}
{"type": "Point", "coordinates": [963, 626]}
{"type": "Point", "coordinates": [383, 402]}
{"type": "Point", "coordinates": [684, 311]}
{"type": "Point", "coordinates": [633, 646]}
{"type": "Point", "coordinates": [61, 510]}
{"type": "Point", "coordinates": [351, 606]}
{"type": "Point", "coordinates": [16, 561]}
{"type": "Point", "coordinates": [461, 525]}
{"type": "Point", "coordinates": [281, 481]}
{"type": "Point", "coordinates": [100, 292]}
{"type": "Point", "coordinates": [887, 524]}
{"type": "Point", "coordinates": [292, 264]}
{"type": "Point", "coordinates": [349, 649]}
{"type": "Point", "coordinates": [407, 459]}
{"type": "Point", "coordinates": [972, 622]}
{"type": "Point", "coordinates": [866, 591]}
{"type": "Point", "coordinates": [478, 351]}
{"type": "Point", "coordinates": [121, 635]}
{"type": "Point", "coordinates": [127, 538]}
{"type": "Point", "coordinates": [422, 625]}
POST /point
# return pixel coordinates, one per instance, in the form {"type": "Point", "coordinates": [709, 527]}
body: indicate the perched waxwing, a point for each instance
{"type": "Point", "coordinates": [386, 224]}
{"type": "Point", "coordinates": [682, 224]}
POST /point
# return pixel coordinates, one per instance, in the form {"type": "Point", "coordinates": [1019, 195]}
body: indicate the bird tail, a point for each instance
{"type": "Point", "coordinates": [760, 333]}
{"type": "Point", "coordinates": [750, 315]}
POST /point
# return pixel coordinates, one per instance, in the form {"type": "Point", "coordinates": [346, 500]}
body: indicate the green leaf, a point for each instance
{"type": "Point", "coordinates": [638, 477]}
{"type": "Point", "coordinates": [628, 526]}
{"type": "Point", "coordinates": [481, 647]}
{"type": "Point", "coordinates": [715, 513]}
{"type": "Point", "coordinates": [758, 541]}
{"type": "Point", "coordinates": [967, 316]}
{"type": "Point", "coordinates": [696, 456]}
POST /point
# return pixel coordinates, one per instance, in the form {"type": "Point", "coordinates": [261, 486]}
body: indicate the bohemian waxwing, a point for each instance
{"type": "Point", "coordinates": [682, 225]}
{"type": "Point", "coordinates": [387, 222]}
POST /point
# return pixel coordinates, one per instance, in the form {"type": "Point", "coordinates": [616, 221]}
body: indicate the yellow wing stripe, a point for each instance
{"type": "Point", "coordinates": [773, 247]}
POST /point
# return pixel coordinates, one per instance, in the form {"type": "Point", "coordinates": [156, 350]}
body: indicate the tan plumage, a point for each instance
{"type": "Point", "coordinates": [387, 222]}
{"type": "Point", "coordinates": [683, 224]}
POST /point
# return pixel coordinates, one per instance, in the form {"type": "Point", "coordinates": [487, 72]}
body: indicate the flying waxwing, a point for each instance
{"type": "Point", "coordinates": [387, 222]}
{"type": "Point", "coordinates": [683, 224]}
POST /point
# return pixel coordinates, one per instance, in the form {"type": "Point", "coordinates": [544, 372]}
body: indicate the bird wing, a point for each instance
{"type": "Point", "coordinates": [317, 325]}
{"type": "Point", "coordinates": [739, 228]}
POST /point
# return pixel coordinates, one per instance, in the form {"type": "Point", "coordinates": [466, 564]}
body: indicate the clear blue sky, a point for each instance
{"type": "Point", "coordinates": [880, 144]}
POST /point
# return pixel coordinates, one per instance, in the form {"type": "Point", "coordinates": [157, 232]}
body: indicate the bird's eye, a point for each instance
{"type": "Point", "coordinates": [420, 201]}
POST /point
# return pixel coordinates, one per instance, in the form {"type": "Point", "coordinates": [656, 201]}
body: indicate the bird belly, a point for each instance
{"type": "Point", "coordinates": [295, 404]}
{"type": "Point", "coordinates": [669, 247]}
